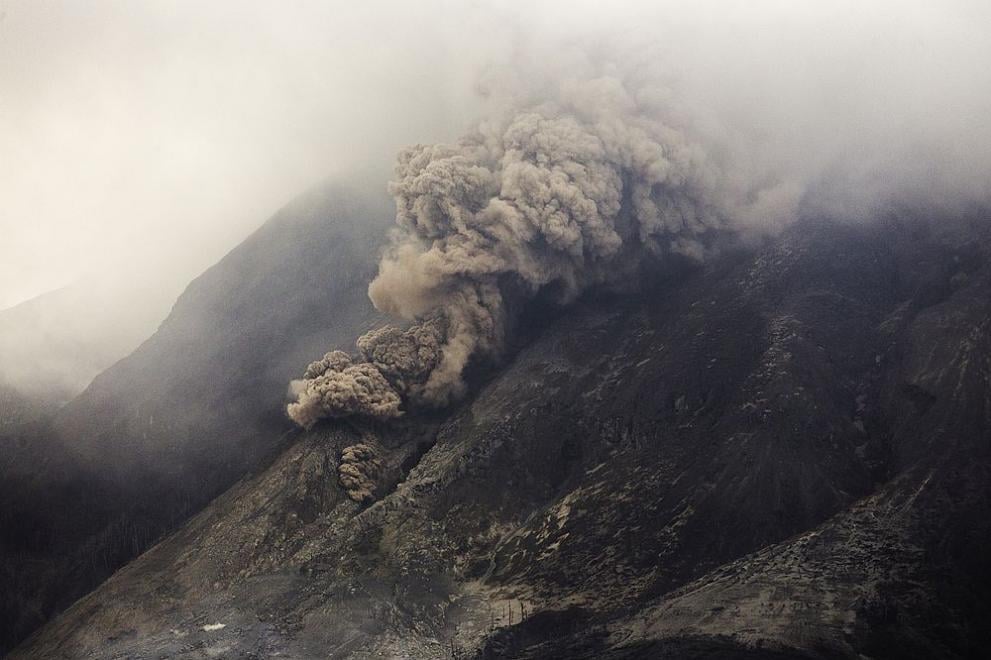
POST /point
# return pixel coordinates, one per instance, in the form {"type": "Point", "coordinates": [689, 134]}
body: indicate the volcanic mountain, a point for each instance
{"type": "Point", "coordinates": [782, 452]}
{"type": "Point", "coordinates": [193, 409]}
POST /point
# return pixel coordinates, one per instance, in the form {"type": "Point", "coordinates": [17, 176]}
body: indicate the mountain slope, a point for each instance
{"type": "Point", "coordinates": [783, 454]}
{"type": "Point", "coordinates": [233, 340]}
{"type": "Point", "coordinates": [189, 412]}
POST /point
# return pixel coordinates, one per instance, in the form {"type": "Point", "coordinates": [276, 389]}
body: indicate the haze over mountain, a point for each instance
{"type": "Point", "coordinates": [678, 349]}
{"type": "Point", "coordinates": [53, 345]}
{"type": "Point", "coordinates": [190, 411]}
{"type": "Point", "coordinates": [143, 141]}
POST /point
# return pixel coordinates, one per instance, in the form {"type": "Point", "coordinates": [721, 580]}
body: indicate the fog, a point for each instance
{"type": "Point", "coordinates": [142, 141]}
{"type": "Point", "coordinates": [149, 138]}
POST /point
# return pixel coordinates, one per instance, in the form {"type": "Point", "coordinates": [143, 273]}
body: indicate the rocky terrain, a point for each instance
{"type": "Point", "coordinates": [782, 453]}
{"type": "Point", "coordinates": [87, 486]}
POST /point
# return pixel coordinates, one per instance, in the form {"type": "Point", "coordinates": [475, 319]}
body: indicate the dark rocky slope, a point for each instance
{"type": "Point", "coordinates": [193, 409]}
{"type": "Point", "coordinates": [784, 454]}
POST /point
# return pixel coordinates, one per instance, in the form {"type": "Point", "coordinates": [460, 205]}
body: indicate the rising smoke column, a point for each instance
{"type": "Point", "coordinates": [569, 192]}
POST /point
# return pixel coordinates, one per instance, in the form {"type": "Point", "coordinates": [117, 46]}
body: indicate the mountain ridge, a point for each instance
{"type": "Point", "coordinates": [150, 440]}
{"type": "Point", "coordinates": [746, 460]}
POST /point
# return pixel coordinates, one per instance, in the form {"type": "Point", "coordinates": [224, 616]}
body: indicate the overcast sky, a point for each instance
{"type": "Point", "coordinates": [146, 138]}
{"type": "Point", "coordinates": [151, 136]}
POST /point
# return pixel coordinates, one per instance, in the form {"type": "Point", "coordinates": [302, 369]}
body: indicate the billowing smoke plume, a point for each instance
{"type": "Point", "coordinates": [569, 193]}
{"type": "Point", "coordinates": [599, 157]}
{"type": "Point", "coordinates": [334, 387]}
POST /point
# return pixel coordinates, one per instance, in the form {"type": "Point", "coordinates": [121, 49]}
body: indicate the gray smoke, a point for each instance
{"type": "Point", "coordinates": [396, 364]}
{"type": "Point", "coordinates": [603, 150]}
{"type": "Point", "coordinates": [358, 389]}
{"type": "Point", "coordinates": [568, 192]}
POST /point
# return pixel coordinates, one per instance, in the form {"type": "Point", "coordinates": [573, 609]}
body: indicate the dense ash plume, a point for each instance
{"type": "Point", "coordinates": [358, 470]}
{"type": "Point", "coordinates": [334, 387]}
{"type": "Point", "coordinates": [395, 365]}
{"type": "Point", "coordinates": [569, 192]}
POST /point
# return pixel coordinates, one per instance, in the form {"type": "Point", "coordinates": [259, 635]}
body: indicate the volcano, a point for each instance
{"type": "Point", "coordinates": [782, 452]}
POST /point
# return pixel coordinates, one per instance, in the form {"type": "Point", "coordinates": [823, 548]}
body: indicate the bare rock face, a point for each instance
{"type": "Point", "coordinates": [782, 455]}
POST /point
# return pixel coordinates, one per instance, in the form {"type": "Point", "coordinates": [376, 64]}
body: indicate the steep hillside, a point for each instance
{"type": "Point", "coordinates": [205, 393]}
{"type": "Point", "coordinates": [190, 411]}
{"type": "Point", "coordinates": [782, 454]}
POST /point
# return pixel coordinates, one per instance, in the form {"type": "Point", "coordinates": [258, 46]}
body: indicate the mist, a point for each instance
{"type": "Point", "coordinates": [142, 141]}
{"type": "Point", "coordinates": [147, 139]}
{"type": "Point", "coordinates": [671, 303]}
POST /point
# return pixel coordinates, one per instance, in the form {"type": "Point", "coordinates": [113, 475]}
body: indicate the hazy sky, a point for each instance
{"type": "Point", "coordinates": [151, 136]}
{"type": "Point", "coordinates": [145, 138]}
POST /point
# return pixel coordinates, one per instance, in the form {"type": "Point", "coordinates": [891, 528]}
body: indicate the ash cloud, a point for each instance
{"type": "Point", "coordinates": [605, 145]}
{"type": "Point", "coordinates": [134, 131]}
{"type": "Point", "coordinates": [569, 191]}
{"type": "Point", "coordinates": [355, 389]}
